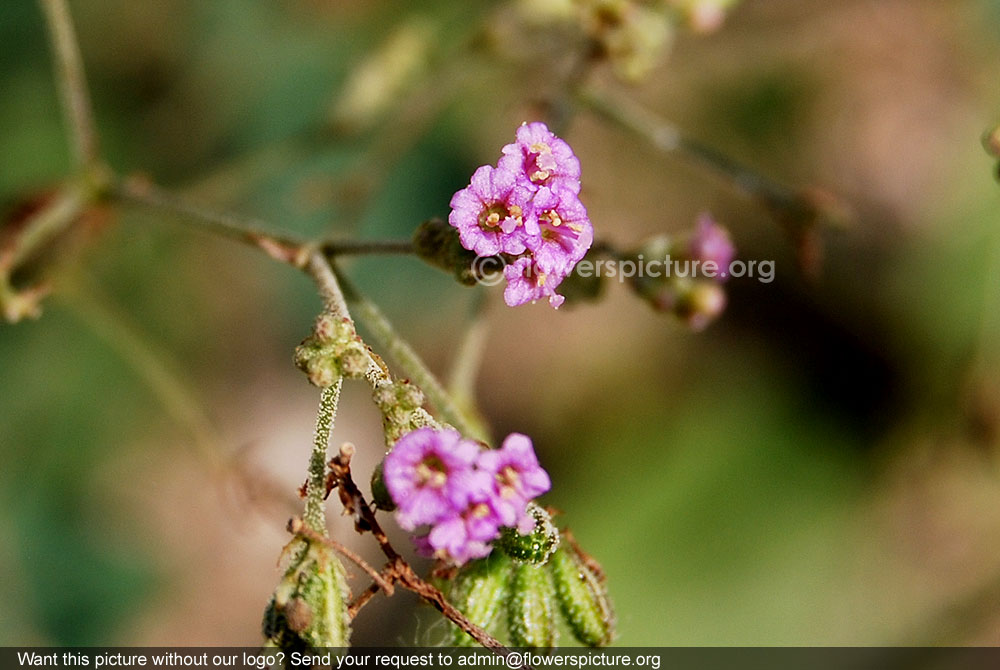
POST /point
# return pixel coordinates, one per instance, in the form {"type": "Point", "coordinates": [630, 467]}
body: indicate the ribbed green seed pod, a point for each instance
{"type": "Point", "coordinates": [479, 591]}
{"type": "Point", "coordinates": [309, 607]}
{"type": "Point", "coordinates": [582, 598]}
{"type": "Point", "coordinates": [531, 607]}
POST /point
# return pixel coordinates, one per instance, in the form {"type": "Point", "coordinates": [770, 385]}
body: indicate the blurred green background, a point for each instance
{"type": "Point", "coordinates": [820, 467]}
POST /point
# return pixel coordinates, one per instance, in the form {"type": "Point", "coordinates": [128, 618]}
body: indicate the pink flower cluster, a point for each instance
{"type": "Point", "coordinates": [460, 491]}
{"type": "Point", "coordinates": [527, 207]}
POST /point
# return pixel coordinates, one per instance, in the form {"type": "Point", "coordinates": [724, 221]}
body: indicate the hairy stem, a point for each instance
{"type": "Point", "coordinates": [314, 516]}
{"type": "Point", "coordinates": [72, 81]}
{"type": "Point", "coordinates": [382, 330]}
{"type": "Point", "coordinates": [785, 203]}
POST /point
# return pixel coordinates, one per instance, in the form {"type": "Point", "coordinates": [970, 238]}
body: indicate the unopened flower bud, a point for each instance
{"type": "Point", "coordinates": [353, 361]}
{"type": "Point", "coordinates": [322, 371]}
{"type": "Point", "coordinates": [583, 599]}
{"type": "Point", "coordinates": [326, 327]}
{"type": "Point", "coordinates": [409, 396]}
{"type": "Point", "coordinates": [582, 286]}
{"type": "Point", "coordinates": [531, 607]}
{"type": "Point", "coordinates": [701, 304]}
{"type": "Point", "coordinates": [401, 405]}
{"type": "Point", "coordinates": [479, 591]}
{"type": "Point", "coordinates": [332, 351]}
{"type": "Point", "coordinates": [380, 494]}
{"type": "Point", "coordinates": [710, 243]}
{"type": "Point", "coordinates": [438, 244]}
{"type": "Point", "coordinates": [633, 37]}
{"type": "Point", "coordinates": [535, 547]}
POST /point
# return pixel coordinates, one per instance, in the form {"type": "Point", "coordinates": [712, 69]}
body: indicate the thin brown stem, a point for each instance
{"type": "Point", "coordinates": [362, 599]}
{"type": "Point", "coordinates": [297, 526]}
{"type": "Point", "coordinates": [284, 248]}
{"type": "Point", "coordinates": [73, 91]}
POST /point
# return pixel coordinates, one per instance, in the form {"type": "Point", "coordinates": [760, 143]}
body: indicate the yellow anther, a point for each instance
{"type": "Point", "coordinates": [540, 148]}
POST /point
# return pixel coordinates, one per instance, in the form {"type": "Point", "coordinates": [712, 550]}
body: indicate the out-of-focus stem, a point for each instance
{"type": "Point", "coordinates": [249, 231]}
{"type": "Point", "coordinates": [57, 215]}
{"type": "Point", "coordinates": [786, 204]}
{"type": "Point", "coordinates": [179, 400]}
{"type": "Point", "coordinates": [465, 367]}
{"type": "Point", "coordinates": [73, 91]}
{"type": "Point", "coordinates": [335, 248]}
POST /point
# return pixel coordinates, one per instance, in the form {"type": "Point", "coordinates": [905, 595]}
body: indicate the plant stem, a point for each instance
{"type": "Point", "coordinates": [786, 203]}
{"type": "Point", "coordinates": [73, 91]}
{"type": "Point", "coordinates": [367, 247]}
{"type": "Point", "coordinates": [314, 516]}
{"type": "Point", "coordinates": [178, 398]}
{"type": "Point", "coordinates": [465, 366]}
{"type": "Point", "coordinates": [54, 217]}
{"type": "Point", "coordinates": [311, 259]}
{"type": "Point", "coordinates": [382, 330]}
{"type": "Point", "coordinates": [284, 248]}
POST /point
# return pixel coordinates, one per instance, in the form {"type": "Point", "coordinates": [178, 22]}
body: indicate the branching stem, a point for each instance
{"type": "Point", "coordinates": [73, 93]}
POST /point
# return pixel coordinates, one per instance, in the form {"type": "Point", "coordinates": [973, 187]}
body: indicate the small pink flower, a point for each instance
{"type": "Point", "coordinates": [518, 478]}
{"type": "Point", "coordinates": [493, 214]}
{"type": "Point", "coordinates": [566, 231]}
{"type": "Point", "coordinates": [541, 158]}
{"type": "Point", "coordinates": [527, 282]}
{"type": "Point", "coordinates": [428, 474]}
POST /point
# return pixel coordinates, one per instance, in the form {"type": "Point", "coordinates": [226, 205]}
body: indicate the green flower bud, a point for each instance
{"type": "Point", "coordinates": [353, 361]}
{"type": "Point", "coordinates": [699, 303]}
{"type": "Point", "coordinates": [380, 494]}
{"type": "Point", "coordinates": [409, 396]}
{"type": "Point", "coordinates": [437, 244]}
{"type": "Point", "coordinates": [582, 598]}
{"type": "Point", "coordinates": [309, 607]}
{"type": "Point", "coordinates": [333, 350]}
{"type": "Point", "coordinates": [531, 607]}
{"type": "Point", "coordinates": [400, 403]}
{"type": "Point", "coordinates": [582, 286]}
{"type": "Point", "coordinates": [535, 547]}
{"type": "Point", "coordinates": [479, 591]}
{"type": "Point", "coordinates": [322, 371]}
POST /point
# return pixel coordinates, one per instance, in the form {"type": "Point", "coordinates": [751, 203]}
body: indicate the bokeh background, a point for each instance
{"type": "Point", "coordinates": [819, 467]}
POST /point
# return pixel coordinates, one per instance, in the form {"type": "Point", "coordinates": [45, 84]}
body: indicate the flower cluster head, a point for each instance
{"type": "Point", "coordinates": [527, 207]}
{"type": "Point", "coordinates": [460, 492]}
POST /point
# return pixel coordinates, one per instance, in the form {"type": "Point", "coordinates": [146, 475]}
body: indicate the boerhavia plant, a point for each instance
{"type": "Point", "coordinates": [503, 573]}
